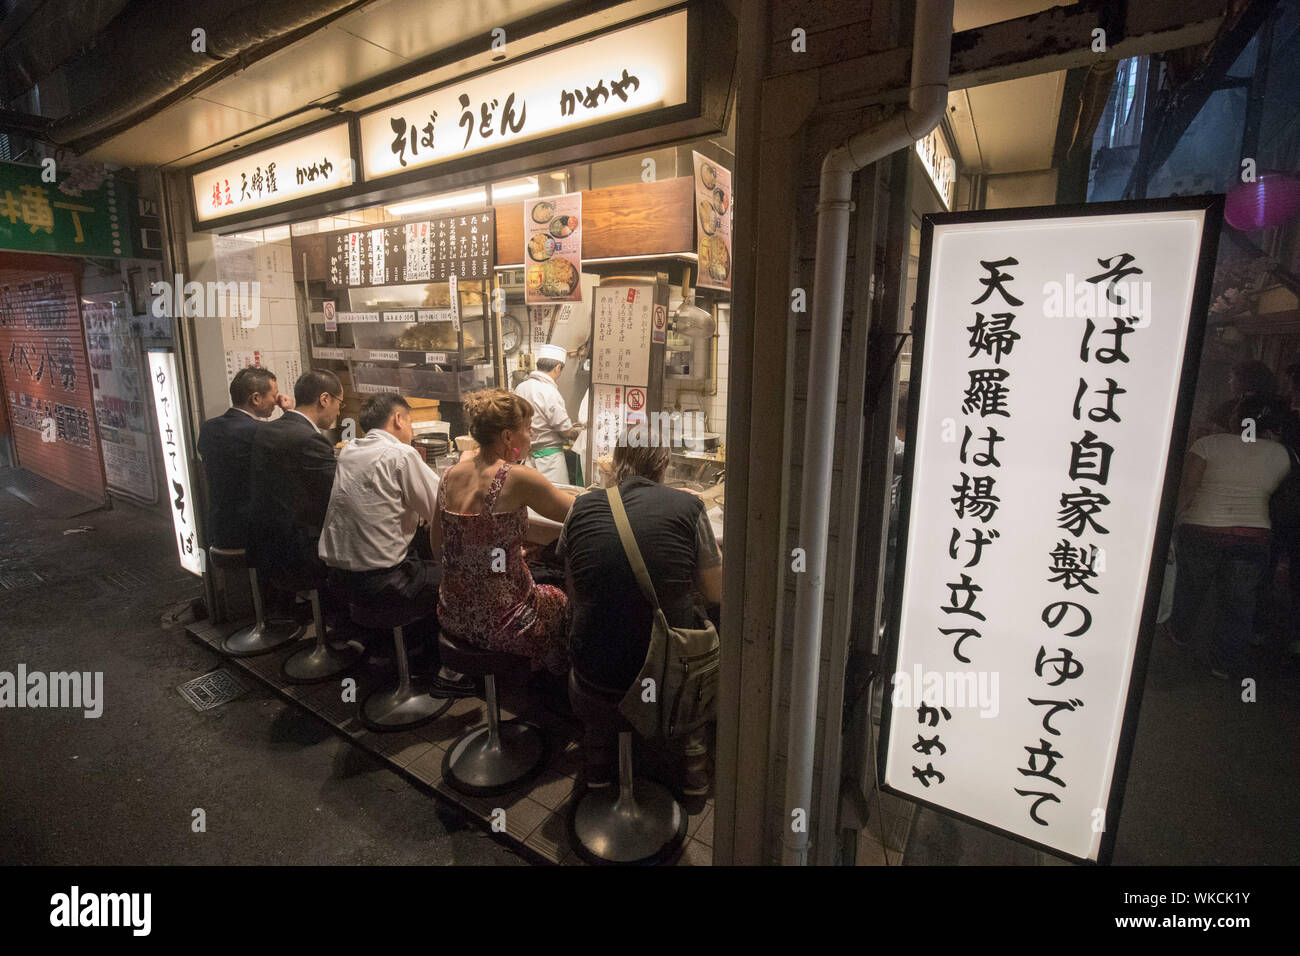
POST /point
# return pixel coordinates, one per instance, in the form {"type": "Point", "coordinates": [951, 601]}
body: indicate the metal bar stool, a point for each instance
{"type": "Point", "coordinates": [263, 636]}
{"type": "Point", "coordinates": [410, 704]}
{"type": "Point", "coordinates": [323, 659]}
{"type": "Point", "coordinates": [636, 823]}
{"type": "Point", "coordinates": [499, 755]}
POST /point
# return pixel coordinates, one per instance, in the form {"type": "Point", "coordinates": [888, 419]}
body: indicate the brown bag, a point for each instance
{"type": "Point", "coordinates": [680, 674]}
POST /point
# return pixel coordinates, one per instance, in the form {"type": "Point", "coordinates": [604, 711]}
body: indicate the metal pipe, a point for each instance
{"type": "Point", "coordinates": [927, 100]}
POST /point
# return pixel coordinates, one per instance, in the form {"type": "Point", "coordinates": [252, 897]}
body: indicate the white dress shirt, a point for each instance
{"type": "Point", "coordinates": [382, 489]}
{"type": "Point", "coordinates": [550, 417]}
{"type": "Point", "coordinates": [309, 421]}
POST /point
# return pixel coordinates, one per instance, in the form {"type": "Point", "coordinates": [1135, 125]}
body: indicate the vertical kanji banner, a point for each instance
{"type": "Point", "coordinates": [1053, 366]}
{"type": "Point", "coordinates": [176, 459]}
{"type": "Point", "coordinates": [45, 373]}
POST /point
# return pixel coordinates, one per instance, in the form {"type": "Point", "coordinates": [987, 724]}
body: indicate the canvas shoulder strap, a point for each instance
{"type": "Point", "coordinates": [630, 548]}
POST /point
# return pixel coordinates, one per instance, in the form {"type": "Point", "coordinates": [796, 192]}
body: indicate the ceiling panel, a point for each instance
{"type": "Point", "coordinates": [415, 28]}
{"type": "Point", "coordinates": [969, 14]}
{"type": "Point", "coordinates": [328, 61]}
{"type": "Point", "coordinates": [179, 133]}
{"type": "Point", "coordinates": [1014, 123]}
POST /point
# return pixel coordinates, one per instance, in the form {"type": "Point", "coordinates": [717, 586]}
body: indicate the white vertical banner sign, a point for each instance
{"type": "Point", "coordinates": [176, 463]}
{"type": "Point", "coordinates": [1052, 373]}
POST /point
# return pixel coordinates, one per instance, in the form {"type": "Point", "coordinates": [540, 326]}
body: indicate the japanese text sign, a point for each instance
{"type": "Point", "coordinates": [317, 163]}
{"type": "Point", "coordinates": [1051, 376]}
{"type": "Point", "coordinates": [176, 462]}
{"type": "Point", "coordinates": [56, 217]}
{"type": "Point", "coordinates": [622, 73]}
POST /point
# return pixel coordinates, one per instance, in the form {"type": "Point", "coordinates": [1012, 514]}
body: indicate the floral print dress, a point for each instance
{"type": "Point", "coordinates": [499, 609]}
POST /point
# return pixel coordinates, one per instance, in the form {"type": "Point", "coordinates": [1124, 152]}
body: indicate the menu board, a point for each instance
{"type": "Point", "coordinates": [713, 198]}
{"type": "Point", "coordinates": [430, 250]}
{"type": "Point", "coordinates": [553, 249]}
{"type": "Point", "coordinates": [1052, 354]}
{"type": "Point", "coordinates": [623, 322]}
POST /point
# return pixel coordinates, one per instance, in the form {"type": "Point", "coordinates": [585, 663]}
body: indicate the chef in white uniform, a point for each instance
{"type": "Point", "coordinates": [551, 424]}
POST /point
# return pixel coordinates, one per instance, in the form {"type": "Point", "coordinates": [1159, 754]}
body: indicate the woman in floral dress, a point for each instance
{"type": "Point", "coordinates": [488, 597]}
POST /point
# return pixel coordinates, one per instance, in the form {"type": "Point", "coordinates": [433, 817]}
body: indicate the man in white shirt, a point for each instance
{"type": "Point", "coordinates": [551, 424]}
{"type": "Point", "coordinates": [382, 491]}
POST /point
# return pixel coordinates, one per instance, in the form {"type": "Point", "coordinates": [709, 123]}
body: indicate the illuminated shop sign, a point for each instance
{"type": "Point", "coordinates": [320, 162]}
{"type": "Point", "coordinates": [1053, 367]}
{"type": "Point", "coordinates": [176, 462]}
{"type": "Point", "coordinates": [939, 165]}
{"type": "Point", "coordinates": [624, 73]}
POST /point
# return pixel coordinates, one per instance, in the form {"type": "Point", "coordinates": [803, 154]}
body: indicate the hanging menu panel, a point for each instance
{"type": "Point", "coordinates": [425, 251]}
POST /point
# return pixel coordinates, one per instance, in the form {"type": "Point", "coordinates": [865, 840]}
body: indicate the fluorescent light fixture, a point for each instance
{"type": "Point", "coordinates": [451, 201]}
{"type": "Point", "coordinates": [527, 187]}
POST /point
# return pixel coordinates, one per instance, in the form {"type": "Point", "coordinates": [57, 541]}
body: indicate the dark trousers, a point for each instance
{"type": "Point", "coordinates": [411, 585]}
{"type": "Point", "coordinates": [1216, 589]}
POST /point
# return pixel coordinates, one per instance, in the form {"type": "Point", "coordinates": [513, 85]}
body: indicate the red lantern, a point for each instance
{"type": "Point", "coordinates": [1270, 201]}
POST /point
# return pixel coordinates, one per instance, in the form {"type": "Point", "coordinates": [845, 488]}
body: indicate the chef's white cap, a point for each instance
{"type": "Point", "coordinates": [553, 352]}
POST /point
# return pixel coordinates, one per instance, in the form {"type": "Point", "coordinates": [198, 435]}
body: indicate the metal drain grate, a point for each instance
{"type": "Point", "coordinates": [123, 580]}
{"type": "Point", "coordinates": [211, 690]}
{"type": "Point", "coordinates": [16, 578]}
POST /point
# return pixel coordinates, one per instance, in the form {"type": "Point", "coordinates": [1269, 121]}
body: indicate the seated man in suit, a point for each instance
{"type": "Point", "coordinates": [226, 445]}
{"type": "Point", "coordinates": [292, 472]}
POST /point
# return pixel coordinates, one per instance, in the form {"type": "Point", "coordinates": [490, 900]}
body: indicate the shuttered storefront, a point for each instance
{"type": "Point", "coordinates": [45, 374]}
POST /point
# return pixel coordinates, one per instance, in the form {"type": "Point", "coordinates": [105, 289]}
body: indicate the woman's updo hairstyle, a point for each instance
{"type": "Point", "coordinates": [491, 411]}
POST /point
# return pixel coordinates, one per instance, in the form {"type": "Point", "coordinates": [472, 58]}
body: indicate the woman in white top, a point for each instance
{"type": "Point", "coordinates": [1223, 536]}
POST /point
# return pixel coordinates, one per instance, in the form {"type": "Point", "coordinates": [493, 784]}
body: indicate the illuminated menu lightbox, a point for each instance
{"type": "Point", "coordinates": [310, 165]}
{"type": "Point", "coordinates": [626, 72]}
{"type": "Point", "coordinates": [1052, 372]}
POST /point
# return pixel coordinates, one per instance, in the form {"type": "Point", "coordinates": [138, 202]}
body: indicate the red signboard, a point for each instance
{"type": "Point", "coordinates": [45, 374]}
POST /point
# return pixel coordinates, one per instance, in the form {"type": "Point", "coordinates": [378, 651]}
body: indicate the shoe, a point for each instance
{"type": "Point", "coordinates": [462, 686]}
{"type": "Point", "coordinates": [1218, 674]}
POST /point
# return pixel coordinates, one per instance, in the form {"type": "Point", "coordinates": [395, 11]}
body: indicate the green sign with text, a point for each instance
{"type": "Point", "coordinates": [59, 218]}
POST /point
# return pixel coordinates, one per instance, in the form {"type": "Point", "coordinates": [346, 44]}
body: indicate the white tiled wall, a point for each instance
{"type": "Point", "coordinates": [275, 339]}
{"type": "Point", "coordinates": [714, 406]}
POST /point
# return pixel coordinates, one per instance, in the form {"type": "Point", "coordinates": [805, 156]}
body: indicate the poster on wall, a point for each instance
{"type": "Point", "coordinates": [713, 201]}
{"type": "Point", "coordinates": [46, 375]}
{"type": "Point", "coordinates": [1054, 361]}
{"type": "Point", "coordinates": [117, 377]}
{"type": "Point", "coordinates": [623, 319]}
{"type": "Point", "coordinates": [553, 249]}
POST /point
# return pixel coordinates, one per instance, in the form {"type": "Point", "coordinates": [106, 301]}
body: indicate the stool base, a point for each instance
{"type": "Point", "coordinates": [262, 638]}
{"type": "Point", "coordinates": [320, 662]}
{"type": "Point", "coordinates": [607, 830]}
{"type": "Point", "coordinates": [475, 768]}
{"type": "Point", "coordinates": [402, 708]}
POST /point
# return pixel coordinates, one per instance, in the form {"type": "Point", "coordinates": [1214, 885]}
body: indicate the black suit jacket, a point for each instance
{"type": "Point", "coordinates": [292, 473]}
{"type": "Point", "coordinates": [226, 445]}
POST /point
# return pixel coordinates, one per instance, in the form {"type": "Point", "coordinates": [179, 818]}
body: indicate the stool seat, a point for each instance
{"type": "Point", "coordinates": [264, 635]}
{"type": "Point", "coordinates": [297, 579]}
{"type": "Point", "coordinates": [499, 755]}
{"type": "Point", "coordinates": [634, 823]}
{"type": "Point", "coordinates": [384, 618]}
{"type": "Point", "coordinates": [412, 703]}
{"type": "Point", "coordinates": [228, 559]}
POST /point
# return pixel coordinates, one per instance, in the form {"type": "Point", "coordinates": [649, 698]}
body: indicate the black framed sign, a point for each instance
{"type": "Point", "coordinates": [425, 250]}
{"type": "Point", "coordinates": [290, 171]}
{"type": "Point", "coordinates": [1054, 361]}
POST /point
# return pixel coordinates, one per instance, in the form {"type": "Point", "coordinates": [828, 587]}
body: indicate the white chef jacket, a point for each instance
{"type": "Point", "coordinates": [550, 417]}
{"type": "Point", "coordinates": [382, 488]}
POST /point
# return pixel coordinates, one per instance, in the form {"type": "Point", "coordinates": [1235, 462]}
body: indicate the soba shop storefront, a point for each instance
{"type": "Point", "coordinates": [578, 199]}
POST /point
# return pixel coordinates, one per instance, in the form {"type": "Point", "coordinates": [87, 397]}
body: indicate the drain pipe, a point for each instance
{"type": "Point", "coordinates": [927, 100]}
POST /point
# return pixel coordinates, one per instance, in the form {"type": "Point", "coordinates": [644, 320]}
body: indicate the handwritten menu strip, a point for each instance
{"type": "Point", "coordinates": [427, 251]}
{"type": "Point", "coordinates": [623, 320]}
